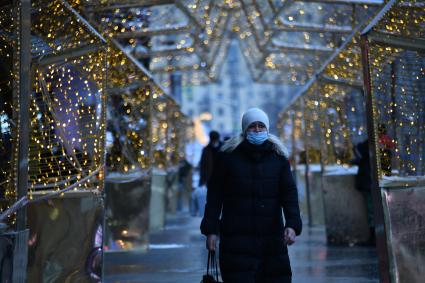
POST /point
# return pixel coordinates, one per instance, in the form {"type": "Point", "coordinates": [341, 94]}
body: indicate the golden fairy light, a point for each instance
{"type": "Point", "coordinates": [312, 138]}
{"type": "Point", "coordinates": [291, 124]}
{"type": "Point", "coordinates": [342, 104]}
{"type": "Point", "coordinates": [397, 76]}
{"type": "Point", "coordinates": [8, 105]}
{"type": "Point", "coordinates": [137, 131]}
{"type": "Point", "coordinates": [397, 71]}
{"type": "Point", "coordinates": [67, 117]}
{"type": "Point", "coordinates": [168, 132]}
{"type": "Point", "coordinates": [129, 114]}
{"type": "Point", "coordinates": [67, 109]}
{"type": "Point", "coordinates": [287, 41]}
{"type": "Point", "coordinates": [162, 37]}
{"type": "Point", "coordinates": [192, 37]}
{"type": "Point", "coordinates": [301, 127]}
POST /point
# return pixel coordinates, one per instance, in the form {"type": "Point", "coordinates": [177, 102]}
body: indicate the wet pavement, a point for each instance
{"type": "Point", "coordinates": [177, 254]}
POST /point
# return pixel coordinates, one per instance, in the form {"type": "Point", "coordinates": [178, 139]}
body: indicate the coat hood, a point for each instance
{"type": "Point", "coordinates": [232, 143]}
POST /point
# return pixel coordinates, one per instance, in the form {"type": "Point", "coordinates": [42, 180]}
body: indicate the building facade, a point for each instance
{"type": "Point", "coordinates": [220, 105]}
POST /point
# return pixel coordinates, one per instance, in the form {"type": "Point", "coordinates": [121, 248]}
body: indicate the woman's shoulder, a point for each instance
{"type": "Point", "coordinates": [278, 147]}
{"type": "Point", "coordinates": [231, 144]}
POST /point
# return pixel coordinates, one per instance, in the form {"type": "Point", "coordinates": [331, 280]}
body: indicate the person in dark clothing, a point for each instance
{"type": "Point", "coordinates": [208, 157]}
{"type": "Point", "coordinates": [251, 184]}
{"type": "Point", "coordinates": [183, 175]}
{"type": "Point", "coordinates": [362, 160]}
{"type": "Point", "coordinates": [363, 183]}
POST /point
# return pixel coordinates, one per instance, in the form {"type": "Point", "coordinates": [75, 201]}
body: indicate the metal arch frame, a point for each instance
{"type": "Point", "coordinates": [356, 31]}
{"type": "Point", "coordinates": [368, 36]}
{"type": "Point", "coordinates": [344, 82]}
{"type": "Point", "coordinates": [293, 26]}
{"type": "Point", "coordinates": [416, 44]}
{"type": "Point", "coordinates": [201, 48]}
{"type": "Point", "coordinates": [282, 48]}
{"type": "Point", "coordinates": [23, 92]}
{"type": "Point", "coordinates": [198, 47]}
{"type": "Point", "coordinates": [131, 4]}
{"type": "Point", "coordinates": [137, 64]}
{"type": "Point", "coordinates": [303, 27]}
{"type": "Point", "coordinates": [136, 34]}
{"type": "Point", "coordinates": [366, 2]}
{"type": "Point", "coordinates": [72, 53]}
{"type": "Point", "coordinates": [289, 26]}
{"type": "Point", "coordinates": [380, 230]}
{"type": "Point", "coordinates": [24, 89]}
{"type": "Point", "coordinates": [250, 26]}
{"type": "Point", "coordinates": [294, 47]}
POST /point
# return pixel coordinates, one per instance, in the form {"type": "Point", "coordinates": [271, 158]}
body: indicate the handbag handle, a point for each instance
{"type": "Point", "coordinates": [212, 261]}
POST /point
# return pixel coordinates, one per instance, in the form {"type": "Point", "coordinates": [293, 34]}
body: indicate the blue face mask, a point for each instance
{"type": "Point", "coordinates": [257, 137]}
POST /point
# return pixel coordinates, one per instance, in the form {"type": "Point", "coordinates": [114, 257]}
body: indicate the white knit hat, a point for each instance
{"type": "Point", "coordinates": [254, 115]}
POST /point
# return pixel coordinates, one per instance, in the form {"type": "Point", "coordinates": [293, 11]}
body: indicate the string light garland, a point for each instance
{"type": "Point", "coordinates": [397, 81]}
{"type": "Point", "coordinates": [67, 110]}
{"type": "Point", "coordinates": [291, 39]}
{"type": "Point", "coordinates": [290, 126]}
{"type": "Point", "coordinates": [9, 50]}
{"type": "Point", "coordinates": [66, 104]}
{"type": "Point", "coordinates": [397, 84]}
{"type": "Point", "coordinates": [313, 139]}
{"type": "Point", "coordinates": [300, 126]}
{"type": "Point", "coordinates": [129, 115]}
{"type": "Point", "coordinates": [343, 105]}
{"type": "Point", "coordinates": [179, 124]}
{"type": "Point", "coordinates": [169, 127]}
{"type": "Point", "coordinates": [140, 37]}
{"type": "Point", "coordinates": [70, 66]}
{"type": "Point", "coordinates": [278, 39]}
{"type": "Point", "coordinates": [160, 35]}
{"type": "Point", "coordinates": [72, 71]}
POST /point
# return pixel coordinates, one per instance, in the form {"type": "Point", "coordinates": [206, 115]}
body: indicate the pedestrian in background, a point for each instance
{"type": "Point", "coordinates": [208, 157]}
{"type": "Point", "coordinates": [206, 164]}
{"type": "Point", "coordinates": [250, 185]}
{"type": "Point", "coordinates": [363, 182]}
{"type": "Point", "coordinates": [184, 174]}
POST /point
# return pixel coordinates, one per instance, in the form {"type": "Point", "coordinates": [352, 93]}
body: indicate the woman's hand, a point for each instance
{"type": "Point", "coordinates": [211, 242]}
{"type": "Point", "coordinates": [289, 236]}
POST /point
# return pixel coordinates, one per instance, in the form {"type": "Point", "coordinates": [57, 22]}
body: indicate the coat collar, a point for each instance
{"type": "Point", "coordinates": [232, 143]}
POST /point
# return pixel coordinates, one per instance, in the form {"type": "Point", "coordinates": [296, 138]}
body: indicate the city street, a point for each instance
{"type": "Point", "coordinates": [177, 254]}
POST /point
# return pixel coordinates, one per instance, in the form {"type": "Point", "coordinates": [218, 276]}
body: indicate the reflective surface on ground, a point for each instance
{"type": "Point", "coordinates": [177, 254]}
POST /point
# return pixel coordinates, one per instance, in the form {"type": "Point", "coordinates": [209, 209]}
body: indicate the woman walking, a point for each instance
{"type": "Point", "coordinates": [250, 185]}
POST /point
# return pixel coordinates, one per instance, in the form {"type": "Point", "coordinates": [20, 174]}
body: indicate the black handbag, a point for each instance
{"type": "Point", "coordinates": [212, 270]}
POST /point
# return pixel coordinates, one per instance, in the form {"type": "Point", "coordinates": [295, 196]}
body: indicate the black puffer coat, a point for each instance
{"type": "Point", "coordinates": [249, 187]}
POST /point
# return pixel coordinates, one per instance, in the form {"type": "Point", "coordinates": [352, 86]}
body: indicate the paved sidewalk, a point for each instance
{"type": "Point", "coordinates": [177, 254]}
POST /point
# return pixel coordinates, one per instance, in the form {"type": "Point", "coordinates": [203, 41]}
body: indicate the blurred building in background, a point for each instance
{"type": "Point", "coordinates": [225, 101]}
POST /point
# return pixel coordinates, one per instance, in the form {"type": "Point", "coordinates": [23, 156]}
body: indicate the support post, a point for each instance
{"type": "Point", "coordinates": [24, 93]}
{"type": "Point", "coordinates": [378, 209]}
